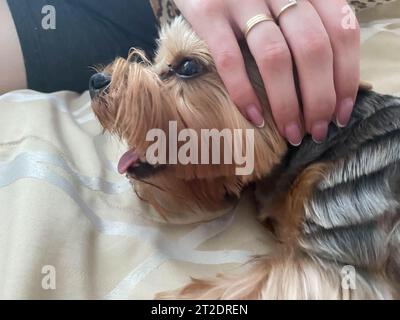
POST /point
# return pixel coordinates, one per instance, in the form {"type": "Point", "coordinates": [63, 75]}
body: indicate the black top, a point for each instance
{"type": "Point", "coordinates": [62, 43]}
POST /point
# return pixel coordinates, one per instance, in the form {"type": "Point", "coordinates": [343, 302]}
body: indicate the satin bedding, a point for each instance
{"type": "Point", "coordinates": [71, 227]}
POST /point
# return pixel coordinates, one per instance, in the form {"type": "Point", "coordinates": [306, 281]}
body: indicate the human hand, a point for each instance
{"type": "Point", "coordinates": [310, 38]}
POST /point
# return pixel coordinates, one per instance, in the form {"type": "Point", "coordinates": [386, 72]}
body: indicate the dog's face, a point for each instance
{"type": "Point", "coordinates": [132, 97]}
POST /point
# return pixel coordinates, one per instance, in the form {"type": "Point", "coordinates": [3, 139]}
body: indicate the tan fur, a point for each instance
{"type": "Point", "coordinates": [286, 210]}
{"type": "Point", "coordinates": [140, 98]}
{"type": "Point", "coordinates": [267, 278]}
{"type": "Point", "coordinates": [174, 100]}
{"type": "Point", "coordinates": [286, 276]}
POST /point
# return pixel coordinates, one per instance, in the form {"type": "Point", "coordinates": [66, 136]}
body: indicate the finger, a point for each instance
{"type": "Point", "coordinates": [273, 58]}
{"type": "Point", "coordinates": [231, 68]}
{"type": "Point", "coordinates": [344, 33]}
{"type": "Point", "coordinates": [217, 32]}
{"type": "Point", "coordinates": [313, 56]}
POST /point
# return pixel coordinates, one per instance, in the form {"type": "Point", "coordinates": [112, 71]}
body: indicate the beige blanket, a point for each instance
{"type": "Point", "coordinates": [71, 226]}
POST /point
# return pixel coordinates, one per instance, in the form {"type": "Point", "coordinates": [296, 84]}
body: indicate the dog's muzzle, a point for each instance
{"type": "Point", "coordinates": [131, 165]}
{"type": "Point", "coordinates": [98, 82]}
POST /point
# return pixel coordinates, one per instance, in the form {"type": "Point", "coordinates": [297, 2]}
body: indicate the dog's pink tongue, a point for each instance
{"type": "Point", "coordinates": [128, 159]}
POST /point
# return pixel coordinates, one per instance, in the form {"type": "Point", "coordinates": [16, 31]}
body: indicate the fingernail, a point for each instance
{"type": "Point", "coordinates": [344, 112]}
{"type": "Point", "coordinates": [319, 131]}
{"type": "Point", "coordinates": [293, 134]}
{"type": "Point", "coordinates": [254, 115]}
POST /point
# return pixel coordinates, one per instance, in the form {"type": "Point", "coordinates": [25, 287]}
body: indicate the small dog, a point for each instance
{"type": "Point", "coordinates": [330, 206]}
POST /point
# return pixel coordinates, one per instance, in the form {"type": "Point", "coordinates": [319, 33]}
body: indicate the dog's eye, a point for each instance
{"type": "Point", "coordinates": [188, 69]}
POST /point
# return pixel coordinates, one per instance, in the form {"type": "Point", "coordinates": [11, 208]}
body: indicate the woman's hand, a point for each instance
{"type": "Point", "coordinates": [310, 37]}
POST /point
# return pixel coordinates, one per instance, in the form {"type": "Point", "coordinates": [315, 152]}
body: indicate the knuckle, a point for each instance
{"type": "Point", "coordinates": [240, 93]}
{"type": "Point", "coordinates": [275, 54]}
{"type": "Point", "coordinates": [353, 83]}
{"type": "Point", "coordinates": [286, 112]}
{"type": "Point", "coordinates": [227, 60]}
{"type": "Point", "coordinates": [324, 107]}
{"type": "Point", "coordinates": [205, 7]}
{"type": "Point", "coordinates": [314, 46]}
{"type": "Point", "coordinates": [346, 35]}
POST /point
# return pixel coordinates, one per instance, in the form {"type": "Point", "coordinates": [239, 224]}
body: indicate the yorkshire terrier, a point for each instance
{"type": "Point", "coordinates": [331, 206]}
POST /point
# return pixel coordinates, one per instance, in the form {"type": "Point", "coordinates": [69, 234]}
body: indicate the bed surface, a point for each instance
{"type": "Point", "coordinates": [65, 211]}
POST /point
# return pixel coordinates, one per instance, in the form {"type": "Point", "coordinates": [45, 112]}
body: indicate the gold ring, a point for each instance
{"type": "Point", "coordinates": [251, 23]}
{"type": "Point", "coordinates": [291, 3]}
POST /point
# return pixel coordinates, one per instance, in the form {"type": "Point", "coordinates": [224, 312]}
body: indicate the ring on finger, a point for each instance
{"type": "Point", "coordinates": [291, 4]}
{"type": "Point", "coordinates": [252, 22]}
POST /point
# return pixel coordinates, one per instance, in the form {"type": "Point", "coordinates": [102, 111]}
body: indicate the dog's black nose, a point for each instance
{"type": "Point", "coordinates": [98, 82]}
